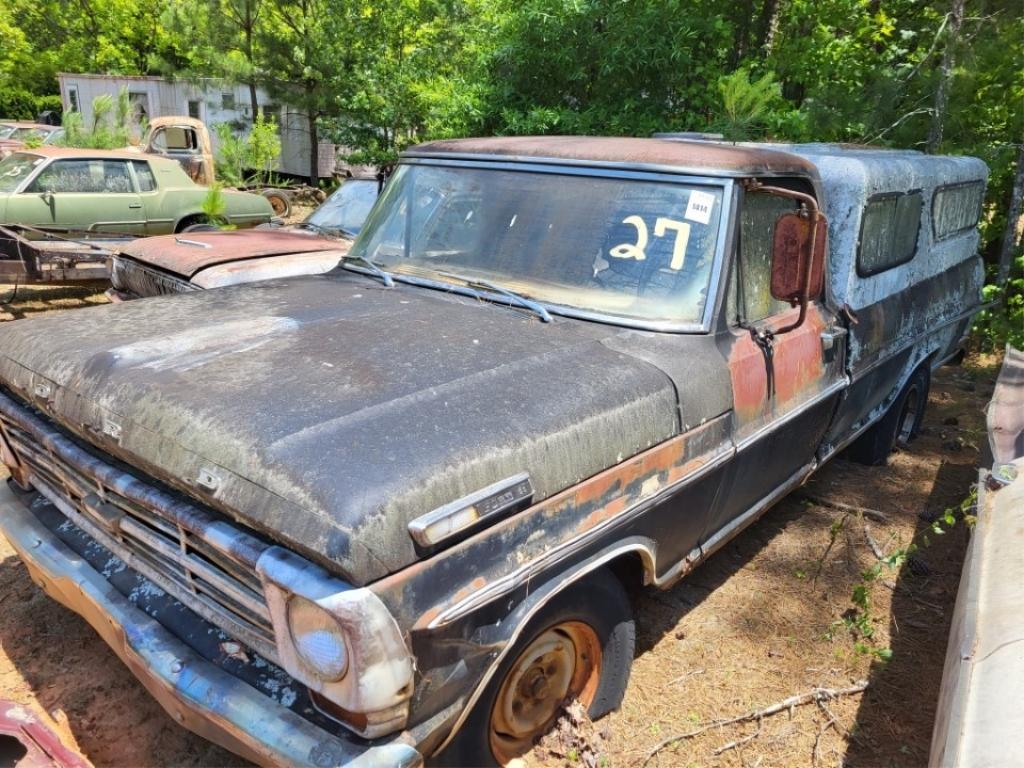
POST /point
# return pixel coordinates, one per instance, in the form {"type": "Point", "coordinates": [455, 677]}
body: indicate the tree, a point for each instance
{"type": "Point", "coordinates": [307, 62]}
{"type": "Point", "coordinates": [956, 20]}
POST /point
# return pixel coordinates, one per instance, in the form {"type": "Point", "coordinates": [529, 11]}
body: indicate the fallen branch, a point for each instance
{"type": "Point", "coordinates": [812, 696]}
{"type": "Point", "coordinates": [875, 549]}
{"type": "Point", "coordinates": [739, 742]}
{"type": "Point", "coordinates": [871, 514]}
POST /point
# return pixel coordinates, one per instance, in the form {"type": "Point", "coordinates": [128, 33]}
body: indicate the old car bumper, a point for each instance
{"type": "Point", "coordinates": [196, 693]}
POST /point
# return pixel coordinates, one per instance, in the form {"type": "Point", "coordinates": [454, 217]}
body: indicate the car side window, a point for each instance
{"type": "Point", "coordinates": [888, 233]}
{"type": "Point", "coordinates": [750, 299]}
{"type": "Point", "coordinates": [144, 175]}
{"type": "Point", "coordinates": [956, 208]}
{"type": "Point", "coordinates": [84, 176]}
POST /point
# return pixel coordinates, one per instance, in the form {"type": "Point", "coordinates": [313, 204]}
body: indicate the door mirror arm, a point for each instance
{"type": "Point", "coordinates": [798, 251]}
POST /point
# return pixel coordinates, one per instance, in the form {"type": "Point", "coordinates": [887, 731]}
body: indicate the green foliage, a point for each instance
{"type": "Point", "coordinates": [112, 124]}
{"type": "Point", "coordinates": [746, 104]}
{"type": "Point", "coordinates": [858, 620]}
{"type": "Point", "coordinates": [214, 205]}
{"type": "Point", "coordinates": [258, 152]}
{"type": "Point", "coordinates": [1003, 322]}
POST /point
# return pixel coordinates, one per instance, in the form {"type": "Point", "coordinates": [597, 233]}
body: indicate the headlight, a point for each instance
{"type": "Point", "coordinates": [318, 639]}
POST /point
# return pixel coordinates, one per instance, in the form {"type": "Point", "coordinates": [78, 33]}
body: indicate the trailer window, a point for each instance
{"type": "Point", "coordinates": [888, 233]}
{"type": "Point", "coordinates": [956, 209]}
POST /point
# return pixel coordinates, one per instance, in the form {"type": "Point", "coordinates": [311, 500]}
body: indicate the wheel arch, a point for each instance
{"type": "Point", "coordinates": [631, 562]}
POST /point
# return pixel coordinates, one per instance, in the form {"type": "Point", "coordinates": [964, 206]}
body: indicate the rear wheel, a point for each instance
{"type": "Point", "coordinates": [900, 424]}
{"type": "Point", "coordinates": [279, 200]}
{"type": "Point", "coordinates": [579, 646]}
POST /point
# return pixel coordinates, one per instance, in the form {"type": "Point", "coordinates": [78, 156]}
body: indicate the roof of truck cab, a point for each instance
{"type": "Point", "coordinates": [701, 156]}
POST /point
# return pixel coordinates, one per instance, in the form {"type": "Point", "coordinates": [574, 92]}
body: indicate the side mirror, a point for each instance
{"type": "Point", "coordinates": [798, 272]}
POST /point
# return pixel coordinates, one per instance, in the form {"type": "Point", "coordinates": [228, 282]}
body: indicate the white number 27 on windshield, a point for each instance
{"type": "Point", "coordinates": [662, 226]}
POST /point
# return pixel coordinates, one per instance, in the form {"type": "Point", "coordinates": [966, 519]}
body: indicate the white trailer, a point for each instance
{"type": "Point", "coordinates": [210, 100]}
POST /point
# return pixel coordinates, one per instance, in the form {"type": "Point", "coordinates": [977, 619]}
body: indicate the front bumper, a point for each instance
{"type": "Point", "coordinates": [198, 694]}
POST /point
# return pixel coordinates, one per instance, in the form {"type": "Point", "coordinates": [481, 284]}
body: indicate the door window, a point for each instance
{"type": "Point", "coordinates": [750, 299]}
{"type": "Point", "coordinates": [84, 176]}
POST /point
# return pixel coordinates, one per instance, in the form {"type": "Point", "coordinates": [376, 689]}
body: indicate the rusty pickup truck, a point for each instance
{"type": "Point", "coordinates": [391, 514]}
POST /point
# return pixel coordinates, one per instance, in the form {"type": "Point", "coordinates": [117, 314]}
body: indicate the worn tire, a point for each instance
{"type": "Point", "coordinates": [279, 200]}
{"type": "Point", "coordinates": [187, 224]}
{"type": "Point", "coordinates": [598, 601]}
{"type": "Point", "coordinates": [900, 424]}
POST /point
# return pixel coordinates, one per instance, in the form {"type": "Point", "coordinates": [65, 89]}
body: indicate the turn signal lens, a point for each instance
{"type": "Point", "coordinates": [318, 639]}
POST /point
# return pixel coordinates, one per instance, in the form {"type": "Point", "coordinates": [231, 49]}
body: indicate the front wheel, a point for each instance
{"type": "Point", "coordinates": [579, 646]}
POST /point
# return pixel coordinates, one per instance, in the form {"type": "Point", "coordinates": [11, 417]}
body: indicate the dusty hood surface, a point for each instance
{"type": "Point", "coordinates": [332, 411]}
{"type": "Point", "coordinates": [181, 255]}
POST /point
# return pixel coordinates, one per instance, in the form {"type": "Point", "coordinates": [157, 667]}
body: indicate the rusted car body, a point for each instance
{"type": "Point", "coordinates": [184, 139]}
{"type": "Point", "coordinates": [388, 513]}
{"type": "Point", "coordinates": [163, 265]}
{"type": "Point", "coordinates": [32, 255]}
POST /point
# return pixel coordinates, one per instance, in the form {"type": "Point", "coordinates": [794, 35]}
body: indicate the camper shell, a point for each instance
{"type": "Point", "coordinates": [416, 490]}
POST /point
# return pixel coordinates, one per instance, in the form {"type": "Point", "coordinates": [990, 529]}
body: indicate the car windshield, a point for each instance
{"type": "Point", "coordinates": [6, 129]}
{"type": "Point", "coordinates": [16, 168]}
{"type": "Point", "coordinates": [633, 248]}
{"type": "Point", "coordinates": [26, 133]}
{"type": "Point", "coordinates": [347, 208]}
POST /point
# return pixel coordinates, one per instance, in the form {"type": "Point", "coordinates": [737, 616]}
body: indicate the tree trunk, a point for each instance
{"type": "Point", "coordinates": [314, 148]}
{"type": "Point", "coordinates": [956, 18]}
{"type": "Point", "coordinates": [254, 101]}
{"type": "Point", "coordinates": [769, 24]}
{"type": "Point", "coordinates": [1012, 233]}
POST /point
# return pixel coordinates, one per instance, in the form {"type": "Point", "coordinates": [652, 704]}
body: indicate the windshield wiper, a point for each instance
{"type": "Point", "coordinates": [373, 268]}
{"type": "Point", "coordinates": [516, 298]}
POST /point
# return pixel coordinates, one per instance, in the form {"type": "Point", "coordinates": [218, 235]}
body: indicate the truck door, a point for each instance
{"type": "Point", "coordinates": [96, 194]}
{"type": "Point", "coordinates": [785, 387]}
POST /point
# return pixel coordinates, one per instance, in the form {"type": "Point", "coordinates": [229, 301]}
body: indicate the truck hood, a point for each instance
{"type": "Point", "coordinates": [332, 411]}
{"type": "Point", "coordinates": [190, 253]}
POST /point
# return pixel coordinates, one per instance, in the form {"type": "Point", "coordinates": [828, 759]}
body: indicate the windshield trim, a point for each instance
{"type": "Point", "coordinates": [726, 184]}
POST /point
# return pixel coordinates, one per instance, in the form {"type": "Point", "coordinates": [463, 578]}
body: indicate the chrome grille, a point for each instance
{"type": "Point", "coordinates": [206, 563]}
{"type": "Point", "coordinates": [131, 277]}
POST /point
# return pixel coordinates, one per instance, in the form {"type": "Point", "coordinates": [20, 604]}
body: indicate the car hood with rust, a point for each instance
{"type": "Point", "coordinates": [187, 254]}
{"type": "Point", "coordinates": [332, 411]}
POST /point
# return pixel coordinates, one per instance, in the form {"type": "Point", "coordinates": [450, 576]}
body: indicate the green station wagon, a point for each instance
{"type": "Point", "coordinates": [111, 191]}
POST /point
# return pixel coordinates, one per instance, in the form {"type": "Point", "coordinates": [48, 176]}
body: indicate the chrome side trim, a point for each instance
{"type": "Point", "coordinates": [508, 583]}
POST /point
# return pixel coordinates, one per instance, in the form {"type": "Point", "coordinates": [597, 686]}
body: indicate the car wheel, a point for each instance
{"type": "Point", "coordinates": [279, 200]}
{"type": "Point", "coordinates": [579, 646]}
{"type": "Point", "coordinates": [900, 424]}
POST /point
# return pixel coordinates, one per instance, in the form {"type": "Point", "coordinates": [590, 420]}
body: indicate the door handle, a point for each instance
{"type": "Point", "coordinates": [830, 338]}
{"type": "Point", "coordinates": [135, 205]}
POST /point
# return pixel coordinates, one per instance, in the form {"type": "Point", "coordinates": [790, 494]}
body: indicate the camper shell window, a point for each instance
{"type": "Point", "coordinates": [888, 232]}
{"type": "Point", "coordinates": [956, 208]}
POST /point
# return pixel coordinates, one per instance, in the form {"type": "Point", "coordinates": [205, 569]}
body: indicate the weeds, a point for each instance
{"type": "Point", "coordinates": [858, 619]}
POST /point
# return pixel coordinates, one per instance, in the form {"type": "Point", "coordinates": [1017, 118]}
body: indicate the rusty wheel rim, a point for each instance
{"type": "Point", "coordinates": [278, 204]}
{"type": "Point", "coordinates": [908, 418]}
{"type": "Point", "coordinates": [562, 663]}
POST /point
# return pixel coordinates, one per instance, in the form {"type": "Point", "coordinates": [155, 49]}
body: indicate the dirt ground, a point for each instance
{"type": "Point", "coordinates": [761, 622]}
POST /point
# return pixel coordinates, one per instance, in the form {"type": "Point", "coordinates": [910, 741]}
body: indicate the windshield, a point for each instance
{"type": "Point", "coordinates": [347, 208]}
{"type": "Point", "coordinates": [6, 129]}
{"type": "Point", "coordinates": [16, 168]}
{"type": "Point", "coordinates": [634, 248]}
{"type": "Point", "coordinates": [21, 134]}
